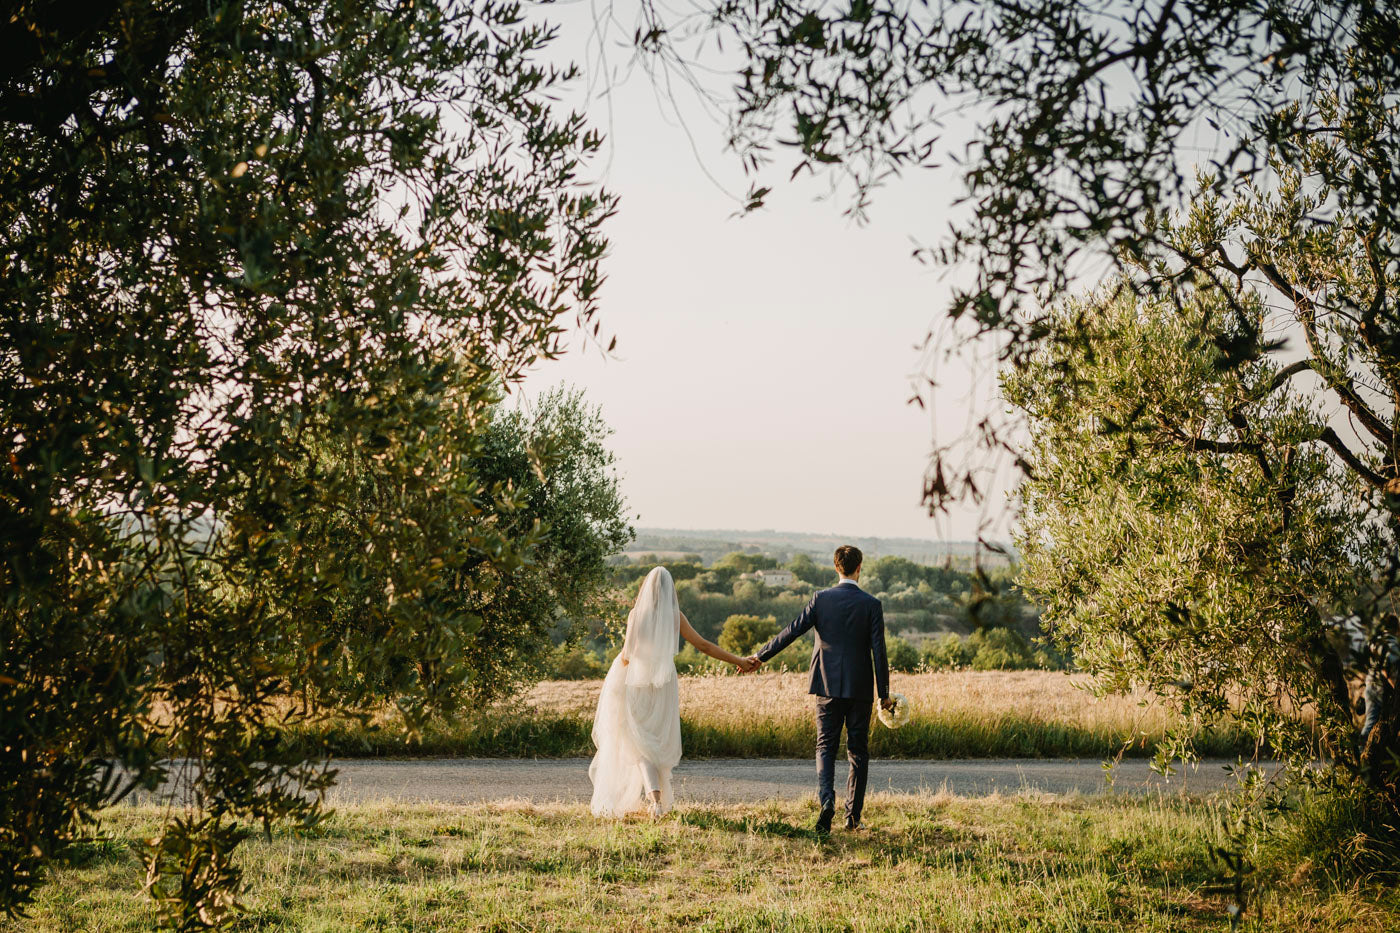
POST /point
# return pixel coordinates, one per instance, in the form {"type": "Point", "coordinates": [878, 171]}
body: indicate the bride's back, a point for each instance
{"type": "Point", "coordinates": [653, 631]}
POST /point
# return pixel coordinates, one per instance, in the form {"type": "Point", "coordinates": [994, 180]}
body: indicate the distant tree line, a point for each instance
{"type": "Point", "coordinates": [783, 546]}
{"type": "Point", "coordinates": [918, 598]}
{"type": "Point", "coordinates": [937, 617]}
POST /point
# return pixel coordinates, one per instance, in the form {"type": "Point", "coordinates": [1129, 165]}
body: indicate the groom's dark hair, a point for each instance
{"type": "Point", "coordinates": [847, 559]}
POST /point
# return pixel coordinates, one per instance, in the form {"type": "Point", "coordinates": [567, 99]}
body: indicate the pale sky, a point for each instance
{"type": "Point", "coordinates": [763, 364]}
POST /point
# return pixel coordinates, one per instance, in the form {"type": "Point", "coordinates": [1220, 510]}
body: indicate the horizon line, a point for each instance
{"type": "Point", "coordinates": [823, 534]}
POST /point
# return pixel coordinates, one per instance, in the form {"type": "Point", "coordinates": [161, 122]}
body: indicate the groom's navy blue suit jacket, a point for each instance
{"type": "Point", "coordinates": [849, 658]}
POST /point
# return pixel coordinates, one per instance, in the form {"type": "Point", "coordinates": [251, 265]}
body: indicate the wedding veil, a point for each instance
{"type": "Point", "coordinates": [637, 728]}
{"type": "Point", "coordinates": [653, 632]}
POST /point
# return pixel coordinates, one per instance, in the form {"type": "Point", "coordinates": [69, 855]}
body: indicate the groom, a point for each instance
{"type": "Point", "coordinates": [848, 665]}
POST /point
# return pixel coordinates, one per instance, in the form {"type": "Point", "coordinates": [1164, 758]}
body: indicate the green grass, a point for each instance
{"type": "Point", "coordinates": [925, 863]}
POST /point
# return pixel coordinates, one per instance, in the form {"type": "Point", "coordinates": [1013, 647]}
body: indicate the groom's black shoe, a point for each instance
{"type": "Point", "coordinates": [824, 821]}
{"type": "Point", "coordinates": [852, 825]}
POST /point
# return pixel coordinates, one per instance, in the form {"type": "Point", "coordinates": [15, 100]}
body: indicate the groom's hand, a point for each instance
{"type": "Point", "coordinates": [751, 664]}
{"type": "Point", "coordinates": [887, 704]}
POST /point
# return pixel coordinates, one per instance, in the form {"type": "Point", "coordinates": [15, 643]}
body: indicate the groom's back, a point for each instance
{"type": "Point", "coordinates": [849, 657]}
{"type": "Point", "coordinates": [848, 622]}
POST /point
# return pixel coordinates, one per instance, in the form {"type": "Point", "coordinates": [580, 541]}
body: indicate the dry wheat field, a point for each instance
{"type": "Point", "coordinates": [1052, 696]}
{"type": "Point", "coordinates": [967, 714]}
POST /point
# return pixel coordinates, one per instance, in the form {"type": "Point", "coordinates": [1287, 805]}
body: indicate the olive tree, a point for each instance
{"type": "Point", "coordinates": [566, 516]}
{"type": "Point", "coordinates": [1194, 520]}
{"type": "Point", "coordinates": [235, 235]}
{"type": "Point", "coordinates": [554, 451]}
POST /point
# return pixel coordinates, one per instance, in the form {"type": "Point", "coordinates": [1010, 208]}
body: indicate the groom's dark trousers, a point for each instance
{"type": "Point", "coordinates": [849, 668]}
{"type": "Point", "coordinates": [854, 715]}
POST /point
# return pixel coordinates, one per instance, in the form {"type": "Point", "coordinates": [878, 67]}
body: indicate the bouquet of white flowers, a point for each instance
{"type": "Point", "coordinates": [899, 715]}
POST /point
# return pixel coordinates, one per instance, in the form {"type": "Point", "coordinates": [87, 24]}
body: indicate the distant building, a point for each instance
{"type": "Point", "coordinates": [771, 577]}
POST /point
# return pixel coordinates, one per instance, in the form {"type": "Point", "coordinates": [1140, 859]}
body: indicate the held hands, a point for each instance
{"type": "Point", "coordinates": [748, 665]}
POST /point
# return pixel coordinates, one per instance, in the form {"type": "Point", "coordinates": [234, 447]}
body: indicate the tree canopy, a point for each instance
{"type": "Point", "coordinates": [238, 237]}
{"type": "Point", "coordinates": [1196, 522]}
{"type": "Point", "coordinates": [555, 452]}
{"type": "Point", "coordinates": [743, 635]}
{"type": "Point", "coordinates": [1167, 563]}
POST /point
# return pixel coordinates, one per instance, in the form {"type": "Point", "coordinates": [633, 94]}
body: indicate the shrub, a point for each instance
{"type": "Point", "coordinates": [574, 662]}
{"type": "Point", "coordinates": [921, 620]}
{"type": "Point", "coordinates": [691, 661]}
{"type": "Point", "coordinates": [1048, 658]}
{"type": "Point", "coordinates": [945, 654]}
{"type": "Point", "coordinates": [903, 657]}
{"type": "Point", "coordinates": [743, 634]}
{"type": "Point", "coordinates": [999, 649]}
{"type": "Point", "coordinates": [1315, 818]}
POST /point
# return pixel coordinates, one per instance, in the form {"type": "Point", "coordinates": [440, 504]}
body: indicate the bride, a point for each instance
{"type": "Point", "coordinates": [637, 728]}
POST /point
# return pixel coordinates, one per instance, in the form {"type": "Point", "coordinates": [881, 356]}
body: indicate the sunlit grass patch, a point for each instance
{"type": "Point", "coordinates": [924, 862]}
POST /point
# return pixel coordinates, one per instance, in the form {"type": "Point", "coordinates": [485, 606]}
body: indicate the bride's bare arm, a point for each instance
{"type": "Point", "coordinates": [706, 646]}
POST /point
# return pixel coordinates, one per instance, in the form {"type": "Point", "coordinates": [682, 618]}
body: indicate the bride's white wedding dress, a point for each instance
{"type": "Point", "coordinates": [637, 729]}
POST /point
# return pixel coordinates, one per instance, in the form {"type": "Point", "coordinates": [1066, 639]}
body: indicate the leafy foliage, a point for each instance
{"type": "Point", "coordinates": [1285, 517]}
{"type": "Point", "coordinates": [743, 635]}
{"type": "Point", "coordinates": [239, 237]}
{"type": "Point", "coordinates": [1185, 525]}
{"type": "Point", "coordinates": [575, 662]}
{"type": "Point", "coordinates": [738, 562]}
{"type": "Point", "coordinates": [922, 602]}
{"type": "Point", "coordinates": [809, 571]}
{"type": "Point", "coordinates": [990, 649]}
{"type": "Point", "coordinates": [917, 597]}
{"type": "Point", "coordinates": [903, 657]}
{"type": "Point", "coordinates": [552, 455]}
{"type": "Point", "coordinates": [555, 453]}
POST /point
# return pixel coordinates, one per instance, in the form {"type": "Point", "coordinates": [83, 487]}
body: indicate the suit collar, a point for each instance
{"type": "Point", "coordinates": [844, 580]}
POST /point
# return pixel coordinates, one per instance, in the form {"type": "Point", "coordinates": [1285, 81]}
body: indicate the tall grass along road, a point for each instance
{"type": "Point", "coordinates": [995, 714]}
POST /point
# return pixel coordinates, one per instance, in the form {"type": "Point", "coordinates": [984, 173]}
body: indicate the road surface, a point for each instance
{"type": "Point", "coordinates": [474, 780]}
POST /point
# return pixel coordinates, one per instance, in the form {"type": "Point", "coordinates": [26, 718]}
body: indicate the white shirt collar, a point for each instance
{"type": "Point", "coordinates": [847, 580]}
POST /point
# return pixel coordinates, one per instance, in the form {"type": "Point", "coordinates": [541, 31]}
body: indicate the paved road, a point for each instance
{"type": "Point", "coordinates": [728, 780]}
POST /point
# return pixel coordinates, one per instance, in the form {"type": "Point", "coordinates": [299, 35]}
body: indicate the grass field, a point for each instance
{"type": "Point", "coordinates": [924, 863]}
{"type": "Point", "coordinates": [1022, 714]}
